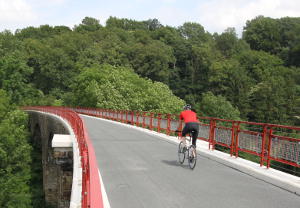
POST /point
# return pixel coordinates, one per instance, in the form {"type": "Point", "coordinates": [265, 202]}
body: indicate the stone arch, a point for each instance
{"type": "Point", "coordinates": [49, 148]}
{"type": "Point", "coordinates": [37, 137]}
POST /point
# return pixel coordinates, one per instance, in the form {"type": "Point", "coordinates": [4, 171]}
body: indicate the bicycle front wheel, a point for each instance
{"type": "Point", "coordinates": [181, 152]}
{"type": "Point", "coordinates": [192, 157]}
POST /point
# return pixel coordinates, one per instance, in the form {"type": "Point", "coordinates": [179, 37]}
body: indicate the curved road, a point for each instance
{"type": "Point", "coordinates": [141, 170]}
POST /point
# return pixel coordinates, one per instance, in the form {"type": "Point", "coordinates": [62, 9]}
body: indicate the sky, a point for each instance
{"type": "Point", "coordinates": [213, 15]}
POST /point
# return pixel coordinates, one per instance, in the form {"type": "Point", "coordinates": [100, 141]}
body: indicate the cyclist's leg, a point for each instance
{"type": "Point", "coordinates": [184, 132]}
{"type": "Point", "coordinates": [195, 129]}
{"type": "Point", "coordinates": [195, 136]}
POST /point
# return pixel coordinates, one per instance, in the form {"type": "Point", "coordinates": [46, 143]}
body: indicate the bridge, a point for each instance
{"type": "Point", "coordinates": [129, 159]}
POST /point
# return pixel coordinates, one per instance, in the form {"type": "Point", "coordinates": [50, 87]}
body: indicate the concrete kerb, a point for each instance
{"type": "Point", "coordinates": [272, 176]}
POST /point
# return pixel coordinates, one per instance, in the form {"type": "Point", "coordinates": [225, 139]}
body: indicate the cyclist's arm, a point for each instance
{"type": "Point", "coordinates": [180, 120]}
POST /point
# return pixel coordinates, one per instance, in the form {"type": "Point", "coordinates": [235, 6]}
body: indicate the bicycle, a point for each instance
{"type": "Point", "coordinates": [188, 151]}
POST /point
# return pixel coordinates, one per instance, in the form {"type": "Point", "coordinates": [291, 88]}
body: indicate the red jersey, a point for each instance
{"type": "Point", "coordinates": [188, 116]}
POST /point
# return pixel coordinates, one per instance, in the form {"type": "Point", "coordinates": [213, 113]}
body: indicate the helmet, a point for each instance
{"type": "Point", "coordinates": [187, 107]}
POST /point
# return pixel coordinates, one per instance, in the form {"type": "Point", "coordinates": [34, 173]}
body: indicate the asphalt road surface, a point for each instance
{"type": "Point", "coordinates": [141, 171]}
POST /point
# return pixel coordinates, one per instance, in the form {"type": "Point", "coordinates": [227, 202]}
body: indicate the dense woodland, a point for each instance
{"type": "Point", "coordinates": [139, 65]}
{"type": "Point", "coordinates": [142, 65]}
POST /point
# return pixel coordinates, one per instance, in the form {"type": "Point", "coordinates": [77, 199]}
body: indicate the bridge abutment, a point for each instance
{"type": "Point", "coordinates": [57, 157]}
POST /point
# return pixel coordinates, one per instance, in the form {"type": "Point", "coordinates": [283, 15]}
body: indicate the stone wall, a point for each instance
{"type": "Point", "coordinates": [57, 176]}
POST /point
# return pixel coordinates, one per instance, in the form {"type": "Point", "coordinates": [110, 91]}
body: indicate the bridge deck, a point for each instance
{"type": "Point", "coordinates": [141, 170]}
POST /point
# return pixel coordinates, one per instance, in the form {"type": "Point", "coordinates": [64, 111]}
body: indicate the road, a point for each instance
{"type": "Point", "coordinates": [141, 170]}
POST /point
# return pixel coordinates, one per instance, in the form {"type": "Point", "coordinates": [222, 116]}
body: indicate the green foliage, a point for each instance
{"type": "Point", "coordinates": [128, 24]}
{"type": "Point", "coordinates": [193, 32]}
{"type": "Point", "coordinates": [229, 79]}
{"type": "Point", "coordinates": [274, 100]}
{"type": "Point", "coordinates": [15, 79]}
{"type": "Point", "coordinates": [9, 43]}
{"type": "Point", "coordinates": [53, 61]}
{"type": "Point", "coordinates": [15, 157]}
{"type": "Point", "coordinates": [277, 36]}
{"type": "Point", "coordinates": [88, 24]}
{"type": "Point", "coordinates": [217, 106]}
{"type": "Point", "coordinates": [152, 60]}
{"type": "Point", "coordinates": [42, 65]}
{"type": "Point", "coordinates": [229, 44]}
{"type": "Point", "coordinates": [111, 87]}
{"type": "Point", "coordinates": [262, 34]}
{"type": "Point", "coordinates": [259, 64]}
{"type": "Point", "coordinates": [44, 31]}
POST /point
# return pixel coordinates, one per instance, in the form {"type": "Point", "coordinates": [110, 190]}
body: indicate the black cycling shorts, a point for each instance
{"type": "Point", "coordinates": [189, 127]}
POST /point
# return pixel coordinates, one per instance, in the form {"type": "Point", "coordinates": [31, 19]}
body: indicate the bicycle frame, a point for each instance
{"type": "Point", "coordinates": [187, 150]}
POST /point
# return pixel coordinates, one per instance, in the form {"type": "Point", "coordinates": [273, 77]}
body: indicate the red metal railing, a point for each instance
{"type": "Point", "coordinates": [91, 190]}
{"type": "Point", "coordinates": [269, 142]}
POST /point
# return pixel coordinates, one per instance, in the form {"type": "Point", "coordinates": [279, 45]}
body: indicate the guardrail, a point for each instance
{"type": "Point", "coordinates": [269, 142]}
{"type": "Point", "coordinates": [91, 190]}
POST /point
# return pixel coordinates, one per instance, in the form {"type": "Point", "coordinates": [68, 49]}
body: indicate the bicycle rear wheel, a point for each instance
{"type": "Point", "coordinates": [192, 156]}
{"type": "Point", "coordinates": [181, 152]}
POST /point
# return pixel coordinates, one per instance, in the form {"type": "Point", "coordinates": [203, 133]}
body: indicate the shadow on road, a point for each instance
{"type": "Point", "coordinates": [174, 163]}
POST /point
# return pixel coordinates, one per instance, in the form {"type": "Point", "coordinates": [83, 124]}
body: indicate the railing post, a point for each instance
{"type": "Point", "coordinates": [237, 140]}
{"type": "Point", "coordinates": [168, 124]}
{"type": "Point", "coordinates": [262, 154]}
{"type": "Point", "coordinates": [269, 147]}
{"type": "Point", "coordinates": [212, 126]}
{"type": "Point", "coordinates": [151, 121]}
{"type": "Point", "coordinates": [132, 114]}
{"type": "Point", "coordinates": [144, 118]}
{"type": "Point", "coordinates": [158, 122]}
{"type": "Point", "coordinates": [137, 123]}
{"type": "Point", "coordinates": [232, 146]}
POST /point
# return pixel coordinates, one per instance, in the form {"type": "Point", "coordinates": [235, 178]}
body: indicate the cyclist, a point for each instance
{"type": "Point", "coordinates": [189, 116]}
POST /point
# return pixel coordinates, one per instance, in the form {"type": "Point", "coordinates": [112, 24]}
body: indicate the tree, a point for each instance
{"type": "Point", "coordinates": [193, 32]}
{"type": "Point", "coordinates": [42, 32]}
{"type": "Point", "coordinates": [152, 60]}
{"type": "Point", "coordinates": [217, 106]}
{"type": "Point", "coordinates": [127, 24]}
{"type": "Point", "coordinates": [111, 87]}
{"type": "Point", "coordinates": [14, 156]}
{"type": "Point", "coordinates": [228, 42]}
{"type": "Point", "coordinates": [259, 65]}
{"type": "Point", "coordinates": [9, 43]}
{"type": "Point", "coordinates": [263, 33]}
{"type": "Point", "coordinates": [153, 24]}
{"type": "Point", "coordinates": [273, 101]}
{"type": "Point", "coordinates": [15, 79]}
{"type": "Point", "coordinates": [230, 79]}
{"type": "Point", "coordinates": [53, 60]}
{"type": "Point", "coordinates": [277, 36]}
{"type": "Point", "coordinates": [88, 24]}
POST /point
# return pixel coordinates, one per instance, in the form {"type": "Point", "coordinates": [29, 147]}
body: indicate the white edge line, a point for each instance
{"type": "Point", "coordinates": [103, 191]}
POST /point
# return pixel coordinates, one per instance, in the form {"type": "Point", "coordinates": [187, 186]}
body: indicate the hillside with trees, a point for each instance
{"type": "Point", "coordinates": [142, 65]}
{"type": "Point", "coordinates": [257, 75]}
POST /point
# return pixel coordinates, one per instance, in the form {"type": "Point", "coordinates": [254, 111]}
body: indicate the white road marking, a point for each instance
{"type": "Point", "coordinates": [104, 195]}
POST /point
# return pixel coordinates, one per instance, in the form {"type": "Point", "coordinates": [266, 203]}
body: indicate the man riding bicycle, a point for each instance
{"type": "Point", "coordinates": [191, 123]}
